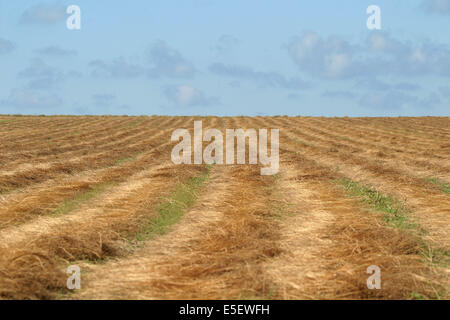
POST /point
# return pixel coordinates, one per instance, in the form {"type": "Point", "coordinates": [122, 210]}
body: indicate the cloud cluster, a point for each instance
{"type": "Point", "coordinates": [374, 69]}
{"type": "Point", "coordinates": [385, 96]}
{"type": "Point", "coordinates": [265, 79]}
{"type": "Point", "coordinates": [391, 100]}
{"type": "Point", "coordinates": [374, 84]}
{"type": "Point", "coordinates": [381, 54]}
{"type": "Point", "coordinates": [437, 6]}
{"type": "Point", "coordinates": [168, 62]}
{"type": "Point", "coordinates": [118, 68]}
{"type": "Point", "coordinates": [396, 100]}
{"type": "Point", "coordinates": [323, 58]}
{"type": "Point", "coordinates": [44, 13]}
{"type": "Point", "coordinates": [225, 43]}
{"type": "Point", "coordinates": [163, 62]}
{"type": "Point", "coordinates": [55, 51]}
{"type": "Point", "coordinates": [29, 99]}
{"type": "Point", "coordinates": [6, 46]}
{"type": "Point", "coordinates": [40, 75]}
{"type": "Point", "coordinates": [187, 96]}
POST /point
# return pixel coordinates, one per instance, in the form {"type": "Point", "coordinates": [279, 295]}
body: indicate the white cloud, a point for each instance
{"type": "Point", "coordinates": [29, 99]}
{"type": "Point", "coordinates": [325, 58]}
{"type": "Point", "coordinates": [396, 100]}
{"type": "Point", "coordinates": [381, 54]}
{"type": "Point", "coordinates": [377, 42]}
{"type": "Point", "coordinates": [44, 13]}
{"type": "Point", "coordinates": [265, 79]}
{"type": "Point", "coordinates": [437, 6]}
{"type": "Point", "coordinates": [186, 96]}
{"type": "Point", "coordinates": [118, 68]}
{"type": "Point", "coordinates": [391, 100]}
{"type": "Point", "coordinates": [6, 46]}
{"type": "Point", "coordinates": [337, 63]}
{"type": "Point", "coordinates": [55, 51]}
{"type": "Point", "coordinates": [41, 75]}
{"type": "Point", "coordinates": [225, 43]}
{"type": "Point", "coordinates": [168, 62]}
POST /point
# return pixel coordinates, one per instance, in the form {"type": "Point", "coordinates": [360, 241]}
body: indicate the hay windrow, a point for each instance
{"type": "Point", "coordinates": [102, 193]}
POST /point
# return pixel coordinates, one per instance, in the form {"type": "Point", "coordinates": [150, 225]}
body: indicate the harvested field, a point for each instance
{"type": "Point", "coordinates": [102, 193]}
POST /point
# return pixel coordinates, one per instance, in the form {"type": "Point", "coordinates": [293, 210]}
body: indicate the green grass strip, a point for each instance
{"type": "Point", "coordinates": [72, 204]}
{"type": "Point", "coordinates": [445, 187]}
{"type": "Point", "coordinates": [396, 214]}
{"type": "Point", "coordinates": [173, 208]}
{"type": "Point", "coordinates": [127, 159]}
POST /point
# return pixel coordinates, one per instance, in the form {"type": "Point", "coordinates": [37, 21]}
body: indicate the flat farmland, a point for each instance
{"type": "Point", "coordinates": [102, 193]}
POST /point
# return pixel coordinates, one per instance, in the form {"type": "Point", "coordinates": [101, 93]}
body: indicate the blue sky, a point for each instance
{"type": "Point", "coordinates": [230, 57]}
